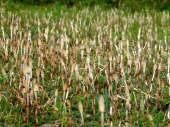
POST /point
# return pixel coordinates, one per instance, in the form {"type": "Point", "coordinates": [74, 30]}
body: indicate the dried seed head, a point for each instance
{"type": "Point", "coordinates": [62, 62]}
{"type": "Point", "coordinates": [46, 30]}
{"type": "Point", "coordinates": [73, 68]}
{"type": "Point", "coordinates": [38, 72]}
{"type": "Point", "coordinates": [42, 73]}
{"type": "Point", "coordinates": [169, 114]}
{"type": "Point", "coordinates": [160, 66]}
{"type": "Point", "coordinates": [64, 87]}
{"type": "Point", "coordinates": [87, 49]}
{"type": "Point", "coordinates": [11, 73]}
{"type": "Point", "coordinates": [128, 103]}
{"type": "Point", "coordinates": [39, 41]}
{"type": "Point", "coordinates": [127, 91]}
{"type": "Point", "coordinates": [88, 59]}
{"type": "Point", "coordinates": [56, 92]}
{"type": "Point", "coordinates": [130, 62]}
{"type": "Point", "coordinates": [144, 64]}
{"type": "Point", "coordinates": [76, 71]}
{"type": "Point", "coordinates": [36, 87]}
{"type": "Point", "coordinates": [110, 57]}
{"type": "Point", "coordinates": [27, 69]}
{"type": "Point", "coordinates": [155, 67]}
{"type": "Point", "coordinates": [80, 105]}
{"type": "Point", "coordinates": [116, 77]}
{"type": "Point", "coordinates": [68, 103]}
{"type": "Point", "coordinates": [76, 68]}
{"type": "Point", "coordinates": [168, 60]}
{"type": "Point", "coordinates": [101, 104]}
{"type": "Point", "coordinates": [3, 71]}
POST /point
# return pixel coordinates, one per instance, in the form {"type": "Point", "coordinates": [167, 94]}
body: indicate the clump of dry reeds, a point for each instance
{"type": "Point", "coordinates": [102, 108]}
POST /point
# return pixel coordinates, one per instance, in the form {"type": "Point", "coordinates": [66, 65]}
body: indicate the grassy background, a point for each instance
{"type": "Point", "coordinates": [131, 5]}
{"type": "Point", "coordinates": [67, 10]}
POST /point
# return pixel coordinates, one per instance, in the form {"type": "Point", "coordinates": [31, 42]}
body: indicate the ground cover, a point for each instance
{"type": "Point", "coordinates": [84, 67]}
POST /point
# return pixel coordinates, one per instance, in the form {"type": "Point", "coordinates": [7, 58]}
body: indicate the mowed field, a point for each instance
{"type": "Point", "coordinates": [87, 67]}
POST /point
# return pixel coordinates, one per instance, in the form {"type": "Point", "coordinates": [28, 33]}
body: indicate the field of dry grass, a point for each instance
{"type": "Point", "coordinates": [88, 67]}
